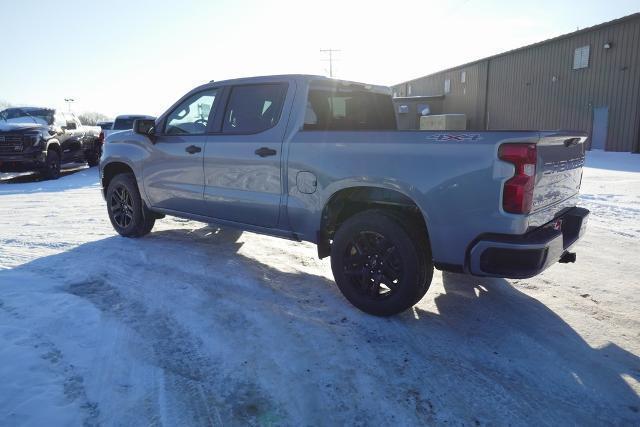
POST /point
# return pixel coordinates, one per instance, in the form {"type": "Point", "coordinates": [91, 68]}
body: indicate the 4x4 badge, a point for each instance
{"type": "Point", "coordinates": [455, 137]}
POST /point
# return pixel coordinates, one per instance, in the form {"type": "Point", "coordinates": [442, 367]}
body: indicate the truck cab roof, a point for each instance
{"type": "Point", "coordinates": [300, 78]}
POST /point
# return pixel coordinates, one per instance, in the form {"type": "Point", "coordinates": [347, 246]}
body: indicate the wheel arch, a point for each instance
{"type": "Point", "coordinates": [110, 170]}
{"type": "Point", "coordinates": [54, 145]}
{"type": "Point", "coordinates": [346, 202]}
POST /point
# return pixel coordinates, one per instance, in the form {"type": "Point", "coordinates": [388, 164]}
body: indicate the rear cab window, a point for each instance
{"type": "Point", "coordinates": [254, 108]}
{"type": "Point", "coordinates": [347, 107]}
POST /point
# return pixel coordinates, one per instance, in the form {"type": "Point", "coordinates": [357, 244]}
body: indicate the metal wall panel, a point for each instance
{"type": "Point", "coordinates": [536, 87]}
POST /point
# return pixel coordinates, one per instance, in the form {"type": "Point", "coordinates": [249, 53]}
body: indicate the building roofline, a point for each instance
{"type": "Point", "coordinates": [529, 46]}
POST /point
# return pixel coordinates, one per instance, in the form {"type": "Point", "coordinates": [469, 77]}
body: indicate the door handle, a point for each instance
{"type": "Point", "coordinates": [265, 152]}
{"type": "Point", "coordinates": [193, 149]}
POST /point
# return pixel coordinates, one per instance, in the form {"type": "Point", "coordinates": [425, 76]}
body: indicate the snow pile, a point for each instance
{"type": "Point", "coordinates": [611, 191]}
{"type": "Point", "coordinates": [193, 325]}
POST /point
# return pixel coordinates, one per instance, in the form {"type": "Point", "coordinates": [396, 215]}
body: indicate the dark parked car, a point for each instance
{"type": "Point", "coordinates": [43, 139]}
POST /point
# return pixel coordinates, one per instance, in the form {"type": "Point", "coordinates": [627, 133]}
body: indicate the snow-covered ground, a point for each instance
{"type": "Point", "coordinates": [197, 326]}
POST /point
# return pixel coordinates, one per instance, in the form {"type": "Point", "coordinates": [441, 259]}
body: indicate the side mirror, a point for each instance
{"type": "Point", "coordinates": [71, 126]}
{"type": "Point", "coordinates": [146, 127]}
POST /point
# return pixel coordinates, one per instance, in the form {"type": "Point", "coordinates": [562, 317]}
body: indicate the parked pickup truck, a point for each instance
{"type": "Point", "coordinates": [320, 160]}
{"type": "Point", "coordinates": [124, 122]}
{"type": "Point", "coordinates": [43, 139]}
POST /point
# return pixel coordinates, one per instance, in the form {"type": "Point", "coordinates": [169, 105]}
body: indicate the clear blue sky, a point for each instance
{"type": "Point", "coordinates": [140, 56]}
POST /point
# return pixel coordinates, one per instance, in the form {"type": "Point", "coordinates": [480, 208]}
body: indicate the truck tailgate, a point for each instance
{"type": "Point", "coordinates": [560, 157]}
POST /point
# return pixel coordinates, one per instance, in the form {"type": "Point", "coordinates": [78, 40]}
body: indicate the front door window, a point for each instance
{"type": "Point", "coordinates": [191, 117]}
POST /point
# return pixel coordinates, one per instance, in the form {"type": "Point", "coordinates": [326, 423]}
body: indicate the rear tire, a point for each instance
{"type": "Point", "coordinates": [93, 158]}
{"type": "Point", "coordinates": [380, 265]}
{"type": "Point", "coordinates": [127, 212]}
{"type": "Point", "coordinates": [51, 169]}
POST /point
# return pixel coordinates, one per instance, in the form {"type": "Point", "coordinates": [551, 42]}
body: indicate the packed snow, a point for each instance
{"type": "Point", "coordinates": [195, 325]}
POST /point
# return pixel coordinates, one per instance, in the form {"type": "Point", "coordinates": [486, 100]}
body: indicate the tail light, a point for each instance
{"type": "Point", "coordinates": [517, 195]}
{"type": "Point", "coordinates": [101, 138]}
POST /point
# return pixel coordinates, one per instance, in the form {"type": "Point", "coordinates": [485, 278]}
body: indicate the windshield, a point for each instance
{"type": "Point", "coordinates": [27, 115]}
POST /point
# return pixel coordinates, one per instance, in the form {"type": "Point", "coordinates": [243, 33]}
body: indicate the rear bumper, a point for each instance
{"type": "Point", "coordinates": [525, 256]}
{"type": "Point", "coordinates": [23, 162]}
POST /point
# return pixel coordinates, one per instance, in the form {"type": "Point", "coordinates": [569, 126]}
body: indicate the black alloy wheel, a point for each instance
{"type": "Point", "coordinates": [127, 212]}
{"type": "Point", "coordinates": [121, 206]}
{"type": "Point", "coordinates": [381, 262]}
{"type": "Point", "coordinates": [372, 264]}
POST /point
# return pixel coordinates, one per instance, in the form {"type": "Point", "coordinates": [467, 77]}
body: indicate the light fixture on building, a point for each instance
{"type": "Point", "coordinates": [607, 45]}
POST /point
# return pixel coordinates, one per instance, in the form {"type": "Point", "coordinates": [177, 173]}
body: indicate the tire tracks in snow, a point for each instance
{"type": "Point", "coordinates": [72, 381]}
{"type": "Point", "coordinates": [196, 392]}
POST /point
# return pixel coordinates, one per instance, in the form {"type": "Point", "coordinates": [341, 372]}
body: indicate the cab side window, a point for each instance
{"type": "Point", "coordinates": [191, 117]}
{"type": "Point", "coordinates": [343, 109]}
{"type": "Point", "coordinates": [254, 108]}
{"type": "Point", "coordinates": [68, 118]}
{"type": "Point", "coordinates": [76, 120]}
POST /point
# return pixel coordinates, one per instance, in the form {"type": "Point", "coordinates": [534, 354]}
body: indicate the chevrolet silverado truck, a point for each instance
{"type": "Point", "coordinates": [43, 139]}
{"type": "Point", "coordinates": [314, 159]}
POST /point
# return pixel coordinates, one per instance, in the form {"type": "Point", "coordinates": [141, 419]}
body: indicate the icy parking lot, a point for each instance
{"type": "Point", "coordinates": [193, 325]}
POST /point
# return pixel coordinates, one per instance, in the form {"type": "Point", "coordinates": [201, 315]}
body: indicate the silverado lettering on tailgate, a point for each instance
{"type": "Point", "coordinates": [550, 168]}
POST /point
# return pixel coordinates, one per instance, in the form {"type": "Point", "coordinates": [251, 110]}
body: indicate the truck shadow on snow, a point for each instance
{"type": "Point", "coordinates": [488, 347]}
{"type": "Point", "coordinates": [524, 333]}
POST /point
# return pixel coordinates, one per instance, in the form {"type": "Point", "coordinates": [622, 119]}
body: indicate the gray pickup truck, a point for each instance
{"type": "Point", "coordinates": [321, 160]}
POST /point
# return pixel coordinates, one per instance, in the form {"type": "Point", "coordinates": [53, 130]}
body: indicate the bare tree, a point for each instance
{"type": "Point", "coordinates": [91, 118]}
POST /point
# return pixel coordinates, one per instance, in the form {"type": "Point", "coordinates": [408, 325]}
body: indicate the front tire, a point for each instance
{"type": "Point", "coordinates": [127, 212]}
{"type": "Point", "coordinates": [51, 169]}
{"type": "Point", "coordinates": [379, 265]}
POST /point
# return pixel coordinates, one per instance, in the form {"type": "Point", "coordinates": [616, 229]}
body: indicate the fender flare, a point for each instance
{"type": "Point", "coordinates": [397, 194]}
{"type": "Point", "coordinates": [55, 142]}
{"type": "Point", "coordinates": [404, 190]}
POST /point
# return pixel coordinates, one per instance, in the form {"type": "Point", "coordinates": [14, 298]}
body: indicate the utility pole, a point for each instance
{"type": "Point", "coordinates": [331, 52]}
{"type": "Point", "coordinates": [69, 101]}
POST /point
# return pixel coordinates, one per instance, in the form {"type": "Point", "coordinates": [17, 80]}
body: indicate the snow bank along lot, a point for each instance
{"type": "Point", "coordinates": [198, 326]}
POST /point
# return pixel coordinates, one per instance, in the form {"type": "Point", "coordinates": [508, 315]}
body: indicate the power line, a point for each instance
{"type": "Point", "coordinates": [331, 52]}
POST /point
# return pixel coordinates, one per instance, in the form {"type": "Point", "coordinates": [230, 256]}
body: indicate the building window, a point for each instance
{"type": "Point", "coordinates": [463, 77]}
{"type": "Point", "coordinates": [408, 90]}
{"type": "Point", "coordinates": [581, 57]}
{"type": "Point", "coordinates": [423, 109]}
{"type": "Point", "coordinates": [447, 86]}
